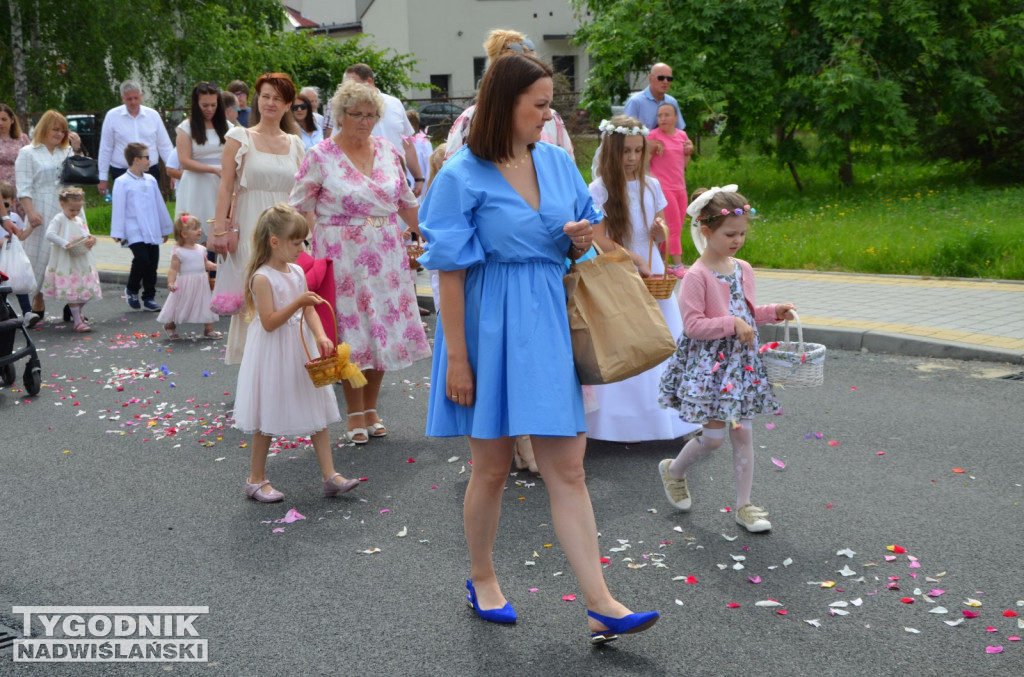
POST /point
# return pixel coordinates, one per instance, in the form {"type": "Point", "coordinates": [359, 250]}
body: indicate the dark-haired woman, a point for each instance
{"type": "Point", "coordinates": [302, 111]}
{"type": "Point", "coordinates": [200, 144]}
{"type": "Point", "coordinates": [499, 220]}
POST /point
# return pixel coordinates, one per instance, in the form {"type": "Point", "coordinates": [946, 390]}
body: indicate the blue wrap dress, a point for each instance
{"type": "Point", "coordinates": [517, 328]}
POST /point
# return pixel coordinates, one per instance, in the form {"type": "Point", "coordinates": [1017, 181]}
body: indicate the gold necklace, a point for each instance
{"type": "Point", "coordinates": [512, 164]}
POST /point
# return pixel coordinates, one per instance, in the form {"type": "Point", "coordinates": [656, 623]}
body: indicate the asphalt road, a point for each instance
{"type": "Point", "coordinates": [104, 505]}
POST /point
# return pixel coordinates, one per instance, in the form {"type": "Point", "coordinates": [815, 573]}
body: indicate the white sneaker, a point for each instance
{"type": "Point", "coordinates": [753, 518]}
{"type": "Point", "coordinates": [30, 319]}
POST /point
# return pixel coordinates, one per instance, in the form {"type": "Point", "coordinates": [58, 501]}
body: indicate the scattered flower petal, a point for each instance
{"type": "Point", "coordinates": [847, 552]}
{"type": "Point", "coordinates": [913, 631]}
{"type": "Point", "coordinates": [814, 622]}
{"type": "Point", "coordinates": [733, 605]}
{"type": "Point", "coordinates": [847, 571]}
{"type": "Point", "coordinates": [971, 614]}
{"type": "Point", "coordinates": [938, 610]}
{"type": "Point", "coordinates": [569, 598]}
{"type": "Point", "coordinates": [954, 623]}
{"type": "Point", "coordinates": [898, 549]}
{"type": "Point", "coordinates": [767, 603]}
{"type": "Point", "coordinates": [993, 649]}
{"type": "Point", "coordinates": [972, 602]}
{"type": "Point", "coordinates": [781, 464]}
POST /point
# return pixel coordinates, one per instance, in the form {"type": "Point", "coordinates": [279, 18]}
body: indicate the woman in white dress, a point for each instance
{"type": "Point", "coordinates": [265, 158]}
{"type": "Point", "coordinates": [37, 170]}
{"type": "Point", "coordinates": [628, 411]}
{"type": "Point", "coordinates": [200, 144]}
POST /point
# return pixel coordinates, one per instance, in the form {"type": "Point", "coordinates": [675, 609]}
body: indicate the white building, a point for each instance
{"type": "Point", "coordinates": [446, 36]}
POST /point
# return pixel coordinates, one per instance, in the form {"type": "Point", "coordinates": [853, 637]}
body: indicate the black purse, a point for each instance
{"type": "Point", "coordinates": [80, 170]}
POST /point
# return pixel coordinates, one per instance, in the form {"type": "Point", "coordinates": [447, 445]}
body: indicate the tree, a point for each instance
{"type": "Point", "coordinates": [857, 75]}
{"type": "Point", "coordinates": [72, 55]}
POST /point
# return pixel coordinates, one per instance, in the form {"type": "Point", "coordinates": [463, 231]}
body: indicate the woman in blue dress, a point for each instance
{"type": "Point", "coordinates": [499, 219]}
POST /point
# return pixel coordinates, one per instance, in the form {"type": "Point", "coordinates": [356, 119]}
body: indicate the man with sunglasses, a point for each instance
{"type": "Point", "coordinates": [644, 105]}
{"type": "Point", "coordinates": [131, 123]}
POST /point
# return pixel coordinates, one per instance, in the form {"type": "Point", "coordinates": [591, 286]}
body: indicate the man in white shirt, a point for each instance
{"type": "Point", "coordinates": [394, 126]}
{"type": "Point", "coordinates": [131, 123]}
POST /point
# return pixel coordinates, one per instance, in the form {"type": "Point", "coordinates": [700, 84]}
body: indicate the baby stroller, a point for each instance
{"type": "Point", "coordinates": [10, 324]}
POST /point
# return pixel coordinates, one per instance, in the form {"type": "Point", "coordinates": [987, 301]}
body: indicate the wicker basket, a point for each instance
{"type": "Point", "coordinates": [662, 287]}
{"type": "Point", "coordinates": [414, 250]}
{"type": "Point", "coordinates": [795, 365]}
{"type": "Point", "coordinates": [325, 370]}
{"type": "Point", "coordinates": [77, 246]}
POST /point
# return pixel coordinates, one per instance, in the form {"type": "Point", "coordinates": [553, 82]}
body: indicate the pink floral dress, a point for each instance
{"type": "Point", "coordinates": [357, 226]}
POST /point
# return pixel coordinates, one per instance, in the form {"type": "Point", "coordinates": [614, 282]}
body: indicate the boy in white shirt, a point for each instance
{"type": "Point", "coordinates": [139, 220]}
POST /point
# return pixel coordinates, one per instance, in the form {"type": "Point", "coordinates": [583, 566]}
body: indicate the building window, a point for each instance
{"type": "Point", "coordinates": [479, 64]}
{"type": "Point", "coordinates": [566, 65]}
{"type": "Point", "coordinates": [442, 83]}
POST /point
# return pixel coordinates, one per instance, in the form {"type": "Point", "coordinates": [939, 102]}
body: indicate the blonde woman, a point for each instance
{"type": "Point", "coordinates": [502, 41]}
{"type": "Point", "coordinates": [37, 170]}
{"type": "Point", "coordinates": [353, 191]}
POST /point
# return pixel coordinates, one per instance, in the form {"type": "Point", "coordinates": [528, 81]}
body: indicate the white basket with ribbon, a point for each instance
{"type": "Point", "coordinates": [795, 365]}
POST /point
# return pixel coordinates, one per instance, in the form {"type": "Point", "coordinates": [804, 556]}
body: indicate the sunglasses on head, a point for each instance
{"type": "Point", "coordinates": [207, 87]}
{"type": "Point", "coordinates": [662, 78]}
{"type": "Point", "coordinates": [299, 106]}
{"type": "Point", "coordinates": [521, 47]}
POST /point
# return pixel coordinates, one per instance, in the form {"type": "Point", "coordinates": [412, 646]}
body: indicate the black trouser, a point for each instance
{"type": "Point", "coordinates": [143, 272]}
{"type": "Point", "coordinates": [115, 172]}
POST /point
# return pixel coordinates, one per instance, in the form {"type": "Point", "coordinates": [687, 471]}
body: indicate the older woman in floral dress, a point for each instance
{"type": "Point", "coordinates": [352, 189]}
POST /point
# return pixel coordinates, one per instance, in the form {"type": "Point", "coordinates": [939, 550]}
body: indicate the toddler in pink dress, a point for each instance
{"type": "Point", "coordinates": [187, 280]}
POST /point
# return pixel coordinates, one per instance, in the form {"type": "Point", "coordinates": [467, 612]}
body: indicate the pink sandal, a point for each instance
{"type": "Point", "coordinates": [82, 328]}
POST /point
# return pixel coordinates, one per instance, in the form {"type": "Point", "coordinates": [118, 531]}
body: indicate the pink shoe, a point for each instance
{"type": "Point", "coordinates": [679, 270]}
{"type": "Point", "coordinates": [253, 492]}
{"type": "Point", "coordinates": [332, 489]}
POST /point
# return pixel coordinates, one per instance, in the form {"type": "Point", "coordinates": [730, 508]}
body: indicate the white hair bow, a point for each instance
{"type": "Point", "coordinates": [694, 209]}
{"type": "Point", "coordinates": [702, 200]}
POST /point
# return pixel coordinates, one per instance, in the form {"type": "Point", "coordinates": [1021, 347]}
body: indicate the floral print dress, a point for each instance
{"type": "Point", "coordinates": [719, 379]}
{"type": "Point", "coordinates": [357, 227]}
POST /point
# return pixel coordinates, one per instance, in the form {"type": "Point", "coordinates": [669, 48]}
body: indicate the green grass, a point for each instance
{"type": "Point", "coordinates": [97, 213]}
{"type": "Point", "coordinates": [901, 217]}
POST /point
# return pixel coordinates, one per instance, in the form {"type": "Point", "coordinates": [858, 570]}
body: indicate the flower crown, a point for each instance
{"type": "Point", "coordinates": [606, 127]}
{"type": "Point", "coordinates": [697, 205]}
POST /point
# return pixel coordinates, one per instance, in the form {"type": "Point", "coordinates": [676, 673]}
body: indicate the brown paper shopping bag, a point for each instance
{"type": "Point", "coordinates": [617, 329]}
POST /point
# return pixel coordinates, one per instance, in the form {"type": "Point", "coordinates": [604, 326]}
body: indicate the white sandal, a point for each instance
{"type": "Point", "coordinates": [375, 428]}
{"type": "Point", "coordinates": [351, 435]}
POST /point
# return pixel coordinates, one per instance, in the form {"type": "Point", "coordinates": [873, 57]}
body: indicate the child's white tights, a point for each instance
{"type": "Point", "coordinates": [742, 440]}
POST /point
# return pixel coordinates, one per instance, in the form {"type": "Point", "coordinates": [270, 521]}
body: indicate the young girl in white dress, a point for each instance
{"type": "Point", "coordinates": [187, 280]}
{"type": "Point", "coordinates": [632, 202]}
{"type": "Point", "coordinates": [716, 376]}
{"type": "Point", "coordinates": [71, 274]}
{"type": "Point", "coordinates": [275, 395]}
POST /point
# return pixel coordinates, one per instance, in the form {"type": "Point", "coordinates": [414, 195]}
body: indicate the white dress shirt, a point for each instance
{"type": "Point", "coordinates": [120, 129]}
{"type": "Point", "coordinates": [394, 125]}
{"type": "Point", "coordinates": [138, 212]}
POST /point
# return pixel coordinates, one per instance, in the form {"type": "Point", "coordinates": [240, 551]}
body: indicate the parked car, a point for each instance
{"type": "Point", "coordinates": [88, 128]}
{"type": "Point", "coordinates": [439, 114]}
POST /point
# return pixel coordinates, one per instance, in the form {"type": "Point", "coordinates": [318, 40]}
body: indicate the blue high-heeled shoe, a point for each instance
{"type": "Point", "coordinates": [621, 626]}
{"type": "Point", "coordinates": [505, 614]}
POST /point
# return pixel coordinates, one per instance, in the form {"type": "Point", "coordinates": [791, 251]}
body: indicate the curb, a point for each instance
{"type": "Point", "coordinates": [866, 340]}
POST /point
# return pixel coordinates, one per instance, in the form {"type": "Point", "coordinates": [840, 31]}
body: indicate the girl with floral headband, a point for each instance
{"type": "Point", "coordinates": [633, 206]}
{"type": "Point", "coordinates": [71, 274]}
{"type": "Point", "coordinates": [716, 376]}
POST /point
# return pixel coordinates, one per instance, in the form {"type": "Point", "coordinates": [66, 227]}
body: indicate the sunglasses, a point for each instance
{"type": "Point", "coordinates": [300, 106]}
{"type": "Point", "coordinates": [521, 47]}
{"type": "Point", "coordinates": [662, 78]}
{"type": "Point", "coordinates": [144, 157]}
{"type": "Point", "coordinates": [207, 87]}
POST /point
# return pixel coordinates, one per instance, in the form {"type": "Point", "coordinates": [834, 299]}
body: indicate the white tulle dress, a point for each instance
{"type": "Point", "coordinates": [190, 304]}
{"type": "Point", "coordinates": [275, 395]}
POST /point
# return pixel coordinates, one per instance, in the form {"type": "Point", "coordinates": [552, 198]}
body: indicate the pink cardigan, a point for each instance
{"type": "Point", "coordinates": [704, 302]}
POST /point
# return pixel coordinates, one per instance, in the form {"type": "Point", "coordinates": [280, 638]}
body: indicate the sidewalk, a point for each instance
{"type": "Point", "coordinates": [953, 318]}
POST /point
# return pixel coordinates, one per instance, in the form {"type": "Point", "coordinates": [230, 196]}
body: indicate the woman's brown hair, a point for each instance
{"type": "Point", "coordinates": [286, 88]}
{"type": "Point", "coordinates": [15, 132]}
{"type": "Point", "coordinates": [491, 133]}
{"type": "Point", "coordinates": [308, 123]}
